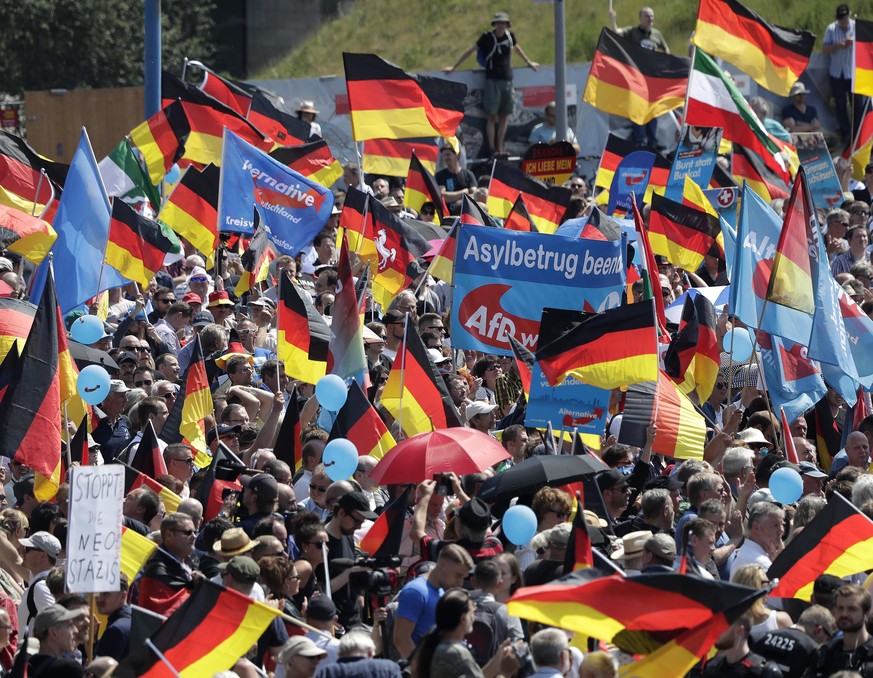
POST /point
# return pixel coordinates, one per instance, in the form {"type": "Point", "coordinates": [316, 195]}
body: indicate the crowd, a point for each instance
{"type": "Point", "coordinates": [291, 536]}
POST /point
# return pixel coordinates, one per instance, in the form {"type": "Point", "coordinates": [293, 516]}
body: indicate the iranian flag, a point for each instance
{"type": "Point", "coordinates": [714, 101]}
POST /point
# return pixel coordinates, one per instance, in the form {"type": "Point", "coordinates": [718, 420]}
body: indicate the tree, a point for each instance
{"type": "Point", "coordinates": [48, 44]}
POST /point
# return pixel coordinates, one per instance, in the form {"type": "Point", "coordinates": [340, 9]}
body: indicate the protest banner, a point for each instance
{"type": "Point", "coordinates": [94, 532]}
{"type": "Point", "coordinates": [293, 209]}
{"type": "Point", "coordinates": [725, 202]}
{"type": "Point", "coordinates": [504, 278]}
{"type": "Point", "coordinates": [551, 163]}
{"type": "Point", "coordinates": [572, 404]}
{"type": "Point", "coordinates": [821, 177]}
{"type": "Point", "coordinates": [631, 178]}
{"type": "Point", "coordinates": [695, 158]}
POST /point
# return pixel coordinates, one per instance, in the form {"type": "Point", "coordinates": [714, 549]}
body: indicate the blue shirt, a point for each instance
{"type": "Point", "coordinates": [417, 603]}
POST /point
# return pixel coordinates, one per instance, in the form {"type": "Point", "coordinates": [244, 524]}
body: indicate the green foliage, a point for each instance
{"type": "Point", "coordinates": [46, 44]}
{"type": "Point", "coordinates": [423, 35]}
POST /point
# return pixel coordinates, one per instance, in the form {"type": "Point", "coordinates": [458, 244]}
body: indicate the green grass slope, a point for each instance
{"type": "Point", "coordinates": [425, 35]}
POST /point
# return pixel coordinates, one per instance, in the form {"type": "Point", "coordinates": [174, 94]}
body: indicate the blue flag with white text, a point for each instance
{"type": "Point", "coordinates": [293, 209]}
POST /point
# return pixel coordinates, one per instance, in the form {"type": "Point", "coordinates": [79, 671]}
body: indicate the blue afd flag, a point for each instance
{"type": "Point", "coordinates": [82, 223]}
{"type": "Point", "coordinates": [792, 379]}
{"type": "Point", "coordinates": [830, 342]}
{"type": "Point", "coordinates": [757, 236]}
{"type": "Point", "coordinates": [292, 208]}
{"type": "Point", "coordinates": [631, 176]}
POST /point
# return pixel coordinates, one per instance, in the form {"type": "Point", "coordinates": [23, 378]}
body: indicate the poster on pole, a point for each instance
{"type": "Point", "coordinates": [94, 532]}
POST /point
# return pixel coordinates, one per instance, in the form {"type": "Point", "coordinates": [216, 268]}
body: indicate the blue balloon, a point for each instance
{"type": "Point", "coordinates": [173, 175]}
{"type": "Point", "coordinates": [93, 384]}
{"type": "Point", "coordinates": [786, 485]}
{"type": "Point", "coordinates": [331, 392]}
{"type": "Point", "coordinates": [738, 341]}
{"type": "Point", "coordinates": [87, 329]}
{"type": "Point", "coordinates": [340, 459]}
{"type": "Point", "coordinates": [519, 524]}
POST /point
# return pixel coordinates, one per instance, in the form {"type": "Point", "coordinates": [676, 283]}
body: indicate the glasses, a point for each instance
{"type": "Point", "coordinates": [229, 435]}
{"type": "Point", "coordinates": [171, 395]}
{"type": "Point", "coordinates": [319, 544]}
{"type": "Point", "coordinates": [29, 549]}
{"type": "Point", "coordinates": [492, 368]}
{"type": "Point", "coordinates": [187, 533]}
{"type": "Point", "coordinates": [165, 300]}
{"type": "Point", "coordinates": [382, 380]}
{"type": "Point", "coordinates": [560, 514]}
{"type": "Point", "coordinates": [860, 212]}
{"type": "Point", "coordinates": [186, 460]}
{"type": "Point", "coordinates": [721, 385]}
{"type": "Point", "coordinates": [316, 488]}
{"type": "Point", "coordinates": [198, 279]}
{"type": "Point", "coordinates": [140, 384]}
{"type": "Point", "coordinates": [140, 349]}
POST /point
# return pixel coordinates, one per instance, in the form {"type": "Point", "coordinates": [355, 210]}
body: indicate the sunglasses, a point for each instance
{"type": "Point", "coordinates": [316, 488]}
{"type": "Point", "coordinates": [141, 349]}
{"type": "Point", "coordinates": [198, 279]}
{"type": "Point", "coordinates": [229, 435]}
{"type": "Point", "coordinates": [721, 385]}
{"type": "Point", "coordinates": [316, 543]}
{"type": "Point", "coordinates": [166, 301]}
{"type": "Point", "coordinates": [187, 533]}
{"type": "Point", "coordinates": [492, 368]}
{"type": "Point", "coordinates": [560, 514]}
{"type": "Point", "coordinates": [170, 395]}
{"type": "Point", "coordinates": [187, 460]}
{"type": "Point", "coordinates": [140, 384]}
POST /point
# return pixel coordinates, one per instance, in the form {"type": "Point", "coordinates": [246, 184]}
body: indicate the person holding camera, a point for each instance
{"type": "Point", "coordinates": [442, 651]}
{"type": "Point", "coordinates": [418, 600]}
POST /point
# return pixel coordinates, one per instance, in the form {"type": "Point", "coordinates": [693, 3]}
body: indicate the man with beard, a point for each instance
{"type": "Point", "coordinates": [854, 649]}
{"type": "Point", "coordinates": [734, 658]}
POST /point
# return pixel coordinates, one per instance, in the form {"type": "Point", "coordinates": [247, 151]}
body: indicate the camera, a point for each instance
{"type": "Point", "coordinates": [380, 580]}
{"type": "Point", "coordinates": [443, 485]}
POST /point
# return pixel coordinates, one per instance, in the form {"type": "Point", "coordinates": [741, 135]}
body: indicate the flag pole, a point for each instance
{"type": "Point", "coordinates": [36, 195]}
{"type": "Point", "coordinates": [326, 569]}
{"type": "Point", "coordinates": [402, 372]}
{"type": "Point", "coordinates": [161, 656]}
{"type": "Point", "coordinates": [67, 433]}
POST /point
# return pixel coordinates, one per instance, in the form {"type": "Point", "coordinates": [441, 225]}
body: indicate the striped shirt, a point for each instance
{"type": "Point", "coordinates": [841, 62]}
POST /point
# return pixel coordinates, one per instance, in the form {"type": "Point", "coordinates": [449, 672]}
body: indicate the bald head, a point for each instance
{"type": "Point", "coordinates": [858, 450]}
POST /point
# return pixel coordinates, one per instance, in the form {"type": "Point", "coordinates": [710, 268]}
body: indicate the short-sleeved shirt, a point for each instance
{"type": "Point", "coordinates": [497, 53]}
{"type": "Point", "coordinates": [807, 116]}
{"type": "Point", "coordinates": [456, 182]}
{"type": "Point", "coordinates": [453, 659]}
{"type": "Point", "coordinates": [652, 39]}
{"type": "Point", "coordinates": [840, 64]}
{"type": "Point", "coordinates": [417, 603]}
{"type": "Point", "coordinates": [112, 438]}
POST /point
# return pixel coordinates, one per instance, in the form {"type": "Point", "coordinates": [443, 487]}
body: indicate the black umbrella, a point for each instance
{"type": "Point", "coordinates": [86, 355]}
{"type": "Point", "coordinates": [533, 473]}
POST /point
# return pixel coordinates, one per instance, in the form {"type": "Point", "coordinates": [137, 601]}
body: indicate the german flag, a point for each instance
{"type": "Point", "coordinates": [862, 80]}
{"type": "Point", "coordinates": [679, 655]}
{"type": "Point", "coordinates": [681, 428]}
{"type": "Point", "coordinates": [838, 539]}
{"type": "Point", "coordinates": [137, 246]}
{"type": "Point", "coordinates": [135, 551]}
{"type": "Point", "coordinates": [634, 82]}
{"type": "Point", "coordinates": [443, 265]}
{"type": "Point", "coordinates": [211, 491]}
{"type": "Point", "coordinates": [397, 247]}
{"type": "Point", "coordinates": [207, 634]}
{"type": "Point", "coordinates": [384, 538]}
{"type": "Point", "coordinates": [303, 335]}
{"type": "Point", "coordinates": [134, 478]}
{"type": "Point", "coordinates": [287, 447]}
{"type": "Point", "coordinates": [186, 422]}
{"type": "Point", "coordinates": [161, 139]}
{"type": "Point", "coordinates": [281, 126]}
{"type": "Point", "coordinates": [524, 361]}
{"type": "Point", "coordinates": [21, 172]}
{"type": "Point", "coordinates": [388, 103]}
{"type": "Point", "coordinates": [356, 222]}
{"type": "Point", "coordinates": [207, 118]}
{"type": "Point", "coordinates": [747, 165]}
{"type": "Point", "coordinates": [7, 368]}
{"type": "Point", "coordinates": [616, 150]}
{"type": "Point", "coordinates": [681, 233]}
{"type": "Point", "coordinates": [76, 450]}
{"type": "Point", "coordinates": [472, 213]}
{"type": "Point", "coordinates": [637, 614]}
{"type": "Point", "coordinates": [579, 555]}
{"type": "Point", "coordinates": [255, 262]}
{"type": "Point", "coordinates": [519, 219]}
{"type": "Point", "coordinates": [608, 350]}
{"type": "Point", "coordinates": [773, 56]}
{"type": "Point", "coordinates": [23, 234]}
{"type": "Point", "coordinates": [359, 422]}
{"type": "Point", "coordinates": [313, 160]}
{"type": "Point", "coordinates": [791, 281]}
{"type": "Point", "coordinates": [230, 93]}
{"type": "Point", "coordinates": [191, 210]}
{"type": "Point", "coordinates": [346, 357]}
{"type": "Point", "coordinates": [147, 458]}
{"type": "Point", "coordinates": [862, 141]}
{"type": "Point", "coordinates": [31, 405]}
{"type": "Point", "coordinates": [390, 157]}
{"type": "Point", "coordinates": [693, 359]}
{"type": "Point", "coordinates": [787, 440]}
{"type": "Point", "coordinates": [546, 204]}
{"type": "Point", "coordinates": [416, 394]}
{"type": "Point", "coordinates": [421, 187]}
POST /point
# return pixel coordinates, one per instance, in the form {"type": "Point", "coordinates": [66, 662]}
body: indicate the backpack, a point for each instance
{"type": "Point", "coordinates": [483, 57]}
{"type": "Point", "coordinates": [482, 640]}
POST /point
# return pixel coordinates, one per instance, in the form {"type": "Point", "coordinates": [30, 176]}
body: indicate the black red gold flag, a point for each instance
{"type": "Point", "coordinates": [358, 422]}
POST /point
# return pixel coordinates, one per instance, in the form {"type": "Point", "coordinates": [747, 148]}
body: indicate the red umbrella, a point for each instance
{"type": "Point", "coordinates": [460, 450]}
